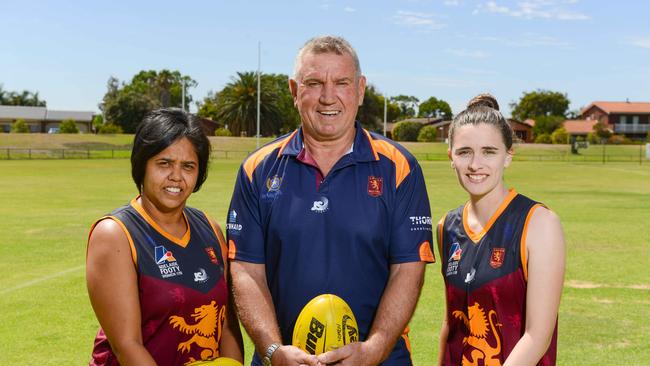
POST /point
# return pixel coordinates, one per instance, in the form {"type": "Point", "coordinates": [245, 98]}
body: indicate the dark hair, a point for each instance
{"type": "Point", "coordinates": [161, 128]}
{"type": "Point", "coordinates": [483, 108]}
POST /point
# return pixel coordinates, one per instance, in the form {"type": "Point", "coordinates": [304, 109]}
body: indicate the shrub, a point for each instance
{"type": "Point", "coordinates": [618, 140]}
{"type": "Point", "coordinates": [560, 136]}
{"type": "Point", "coordinates": [110, 128]}
{"type": "Point", "coordinates": [222, 132]}
{"type": "Point", "coordinates": [20, 127]}
{"type": "Point", "coordinates": [68, 126]}
{"type": "Point", "coordinates": [427, 134]}
{"type": "Point", "coordinates": [593, 138]}
{"type": "Point", "coordinates": [406, 131]}
{"type": "Point", "coordinates": [544, 138]}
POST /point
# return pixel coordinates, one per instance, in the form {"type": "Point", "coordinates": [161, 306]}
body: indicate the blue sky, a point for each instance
{"type": "Point", "coordinates": [450, 49]}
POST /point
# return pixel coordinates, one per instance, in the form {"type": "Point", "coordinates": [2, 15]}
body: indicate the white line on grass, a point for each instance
{"type": "Point", "coordinates": [42, 279]}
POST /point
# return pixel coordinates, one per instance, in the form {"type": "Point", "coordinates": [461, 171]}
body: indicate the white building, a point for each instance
{"type": "Point", "coordinates": [41, 119]}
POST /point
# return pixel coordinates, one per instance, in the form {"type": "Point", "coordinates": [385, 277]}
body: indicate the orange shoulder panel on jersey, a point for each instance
{"type": "Point", "coordinates": [256, 158]}
{"type": "Point", "coordinates": [402, 167]}
{"type": "Point", "coordinates": [522, 244]}
{"type": "Point", "coordinates": [134, 254]}
{"type": "Point", "coordinates": [232, 249]}
{"type": "Point", "coordinates": [426, 254]}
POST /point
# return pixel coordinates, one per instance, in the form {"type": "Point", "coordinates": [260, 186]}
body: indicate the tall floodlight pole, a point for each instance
{"type": "Point", "coordinates": [259, 67]}
{"type": "Point", "coordinates": [385, 113]}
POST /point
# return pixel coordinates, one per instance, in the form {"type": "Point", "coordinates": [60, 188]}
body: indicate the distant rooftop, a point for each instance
{"type": "Point", "coordinates": [621, 107]}
{"type": "Point", "coordinates": [43, 114]}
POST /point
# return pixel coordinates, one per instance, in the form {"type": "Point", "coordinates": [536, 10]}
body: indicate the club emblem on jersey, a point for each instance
{"type": "Point", "coordinates": [375, 186]}
{"type": "Point", "coordinates": [496, 259]}
{"type": "Point", "coordinates": [205, 333]}
{"type": "Point", "coordinates": [481, 335]}
{"type": "Point", "coordinates": [212, 254]}
{"type": "Point", "coordinates": [166, 262]}
{"type": "Point", "coordinates": [273, 184]}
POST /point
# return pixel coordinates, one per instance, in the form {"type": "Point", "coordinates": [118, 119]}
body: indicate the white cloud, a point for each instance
{"type": "Point", "coordinates": [525, 40]}
{"type": "Point", "coordinates": [349, 9]}
{"type": "Point", "coordinates": [641, 42]}
{"type": "Point", "coordinates": [417, 20]}
{"type": "Point", "coordinates": [466, 53]}
{"type": "Point", "coordinates": [533, 9]}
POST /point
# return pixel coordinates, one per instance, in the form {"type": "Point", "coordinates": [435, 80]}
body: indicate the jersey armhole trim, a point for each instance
{"type": "Point", "coordinates": [134, 254]}
{"type": "Point", "coordinates": [522, 245]}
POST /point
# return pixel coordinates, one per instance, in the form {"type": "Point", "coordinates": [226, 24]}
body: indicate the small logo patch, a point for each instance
{"type": "Point", "coordinates": [201, 276]}
{"type": "Point", "coordinates": [273, 184]}
{"type": "Point", "coordinates": [496, 259]}
{"type": "Point", "coordinates": [375, 186]}
{"type": "Point", "coordinates": [320, 206]}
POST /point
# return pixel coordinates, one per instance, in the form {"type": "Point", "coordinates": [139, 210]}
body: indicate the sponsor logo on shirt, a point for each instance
{"type": "Point", "coordinates": [232, 226]}
{"type": "Point", "coordinates": [201, 276]}
{"type": "Point", "coordinates": [273, 183]}
{"type": "Point", "coordinates": [166, 262]}
{"type": "Point", "coordinates": [320, 206]}
{"type": "Point", "coordinates": [496, 259]}
{"type": "Point", "coordinates": [455, 253]}
{"type": "Point", "coordinates": [375, 186]}
{"type": "Point", "coordinates": [420, 223]}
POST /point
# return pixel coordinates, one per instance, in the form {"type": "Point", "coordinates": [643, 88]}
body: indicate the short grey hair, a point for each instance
{"type": "Point", "coordinates": [327, 44]}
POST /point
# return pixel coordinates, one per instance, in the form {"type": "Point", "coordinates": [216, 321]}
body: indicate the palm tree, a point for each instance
{"type": "Point", "coordinates": [237, 106]}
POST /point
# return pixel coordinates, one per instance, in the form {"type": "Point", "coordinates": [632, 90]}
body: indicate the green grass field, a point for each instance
{"type": "Point", "coordinates": [48, 206]}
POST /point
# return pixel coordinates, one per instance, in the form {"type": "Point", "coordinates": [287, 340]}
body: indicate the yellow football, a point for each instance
{"type": "Point", "coordinates": [324, 324]}
{"type": "Point", "coordinates": [220, 361]}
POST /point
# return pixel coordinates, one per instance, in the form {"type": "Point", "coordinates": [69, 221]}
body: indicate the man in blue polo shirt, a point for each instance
{"type": "Point", "coordinates": [329, 208]}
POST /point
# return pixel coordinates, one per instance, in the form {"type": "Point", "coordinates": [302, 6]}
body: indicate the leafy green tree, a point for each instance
{"type": "Point", "coordinates": [407, 104]}
{"type": "Point", "coordinates": [24, 98]}
{"type": "Point", "coordinates": [237, 106]}
{"type": "Point", "coordinates": [601, 130]}
{"type": "Point", "coordinates": [19, 126]}
{"type": "Point", "coordinates": [68, 126]}
{"type": "Point", "coordinates": [540, 103]}
{"type": "Point", "coordinates": [125, 104]}
{"type": "Point", "coordinates": [592, 138]}
{"type": "Point", "coordinates": [98, 121]}
{"type": "Point", "coordinates": [547, 124]}
{"type": "Point", "coordinates": [427, 134]}
{"type": "Point", "coordinates": [560, 136]}
{"type": "Point", "coordinates": [434, 107]}
{"type": "Point", "coordinates": [406, 131]}
{"type": "Point", "coordinates": [544, 138]}
{"type": "Point", "coordinates": [290, 118]}
{"type": "Point", "coordinates": [371, 112]}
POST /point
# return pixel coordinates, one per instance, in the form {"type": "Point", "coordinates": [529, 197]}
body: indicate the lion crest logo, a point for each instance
{"type": "Point", "coordinates": [206, 332]}
{"type": "Point", "coordinates": [478, 327]}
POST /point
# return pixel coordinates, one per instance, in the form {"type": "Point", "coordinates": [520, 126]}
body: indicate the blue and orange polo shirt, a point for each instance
{"type": "Point", "coordinates": [336, 234]}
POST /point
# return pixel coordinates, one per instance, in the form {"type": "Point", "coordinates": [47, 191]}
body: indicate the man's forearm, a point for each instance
{"type": "Point", "coordinates": [397, 306]}
{"type": "Point", "coordinates": [254, 304]}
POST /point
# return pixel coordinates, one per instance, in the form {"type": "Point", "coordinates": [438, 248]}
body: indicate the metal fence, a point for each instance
{"type": "Point", "coordinates": [12, 153]}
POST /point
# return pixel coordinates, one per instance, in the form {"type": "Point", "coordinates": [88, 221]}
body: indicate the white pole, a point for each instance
{"type": "Point", "coordinates": [259, 66]}
{"type": "Point", "coordinates": [385, 113]}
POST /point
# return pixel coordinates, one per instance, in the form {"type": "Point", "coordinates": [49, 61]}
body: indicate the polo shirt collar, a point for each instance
{"type": "Point", "coordinates": [361, 148]}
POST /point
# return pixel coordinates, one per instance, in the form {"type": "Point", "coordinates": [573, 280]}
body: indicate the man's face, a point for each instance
{"type": "Point", "coordinates": [327, 95]}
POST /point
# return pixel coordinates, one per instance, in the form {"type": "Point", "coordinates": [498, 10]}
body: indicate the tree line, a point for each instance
{"type": "Point", "coordinates": [234, 107]}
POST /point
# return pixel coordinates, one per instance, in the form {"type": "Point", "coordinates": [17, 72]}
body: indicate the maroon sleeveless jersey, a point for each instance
{"type": "Point", "coordinates": [182, 289]}
{"type": "Point", "coordinates": [485, 280]}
